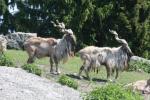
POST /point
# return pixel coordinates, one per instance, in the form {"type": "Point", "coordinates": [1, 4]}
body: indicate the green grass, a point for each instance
{"type": "Point", "coordinates": [65, 80]}
{"type": "Point", "coordinates": [5, 61]}
{"type": "Point", "coordinates": [113, 92]}
{"type": "Point", "coordinates": [32, 68]}
{"type": "Point", "coordinates": [19, 58]}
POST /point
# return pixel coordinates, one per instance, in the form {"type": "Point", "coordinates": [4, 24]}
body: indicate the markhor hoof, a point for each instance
{"type": "Point", "coordinates": [58, 72]}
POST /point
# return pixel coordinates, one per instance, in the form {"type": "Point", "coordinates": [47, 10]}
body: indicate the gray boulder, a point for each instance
{"type": "Point", "coordinates": [13, 44]}
{"type": "Point", "coordinates": [16, 40]}
{"type": "Point", "coordinates": [17, 84]}
{"type": "Point", "coordinates": [137, 58]}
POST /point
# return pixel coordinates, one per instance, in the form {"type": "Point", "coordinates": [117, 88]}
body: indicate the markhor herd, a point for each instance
{"type": "Point", "coordinates": [114, 59]}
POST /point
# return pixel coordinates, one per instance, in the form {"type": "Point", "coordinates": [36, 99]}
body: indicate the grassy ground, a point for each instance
{"type": "Point", "coordinates": [71, 67]}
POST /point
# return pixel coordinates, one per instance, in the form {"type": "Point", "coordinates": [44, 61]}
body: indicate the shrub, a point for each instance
{"type": "Point", "coordinates": [112, 92]}
{"type": "Point", "coordinates": [139, 65]}
{"type": "Point", "coordinates": [65, 80]}
{"type": "Point", "coordinates": [5, 61]}
{"type": "Point", "coordinates": [32, 68]}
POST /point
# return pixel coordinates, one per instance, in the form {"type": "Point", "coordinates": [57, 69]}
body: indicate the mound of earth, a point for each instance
{"type": "Point", "coordinates": [142, 86]}
{"type": "Point", "coordinates": [17, 84]}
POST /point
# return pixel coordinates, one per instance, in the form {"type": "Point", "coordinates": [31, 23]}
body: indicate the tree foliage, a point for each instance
{"type": "Point", "coordinates": [89, 19]}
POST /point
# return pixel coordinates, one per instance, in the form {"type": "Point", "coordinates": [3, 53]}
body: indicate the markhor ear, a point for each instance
{"type": "Point", "coordinates": [68, 31]}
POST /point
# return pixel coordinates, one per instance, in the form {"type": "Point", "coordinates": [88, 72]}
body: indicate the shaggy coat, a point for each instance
{"type": "Point", "coordinates": [57, 49]}
{"type": "Point", "coordinates": [3, 44]}
{"type": "Point", "coordinates": [114, 59]}
{"type": "Point", "coordinates": [38, 47]}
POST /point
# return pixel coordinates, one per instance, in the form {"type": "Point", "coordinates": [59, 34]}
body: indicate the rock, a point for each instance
{"type": "Point", "coordinates": [143, 86]}
{"type": "Point", "coordinates": [136, 58]}
{"type": "Point", "coordinates": [16, 40]}
{"type": "Point", "coordinates": [13, 44]}
{"type": "Point", "coordinates": [17, 84]}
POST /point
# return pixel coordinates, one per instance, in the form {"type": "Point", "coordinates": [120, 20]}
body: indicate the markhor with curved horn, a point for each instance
{"type": "Point", "coordinates": [114, 59]}
{"type": "Point", "coordinates": [57, 49]}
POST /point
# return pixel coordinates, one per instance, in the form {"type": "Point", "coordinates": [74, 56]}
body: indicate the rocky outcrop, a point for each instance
{"type": "Point", "coordinates": [16, 40]}
{"type": "Point", "coordinates": [17, 84]}
{"type": "Point", "coordinates": [143, 86]}
{"type": "Point", "coordinates": [137, 58]}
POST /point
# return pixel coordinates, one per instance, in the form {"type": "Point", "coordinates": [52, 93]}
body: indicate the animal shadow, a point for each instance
{"type": "Point", "coordinates": [99, 80]}
{"type": "Point", "coordinates": [76, 77]}
{"type": "Point", "coordinates": [85, 78]}
{"type": "Point", "coordinates": [73, 76]}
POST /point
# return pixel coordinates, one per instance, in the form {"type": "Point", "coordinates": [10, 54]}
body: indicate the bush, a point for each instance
{"type": "Point", "coordinates": [112, 92]}
{"type": "Point", "coordinates": [32, 68]}
{"type": "Point", "coordinates": [65, 80]}
{"type": "Point", "coordinates": [134, 66]}
{"type": "Point", "coordinates": [5, 61]}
